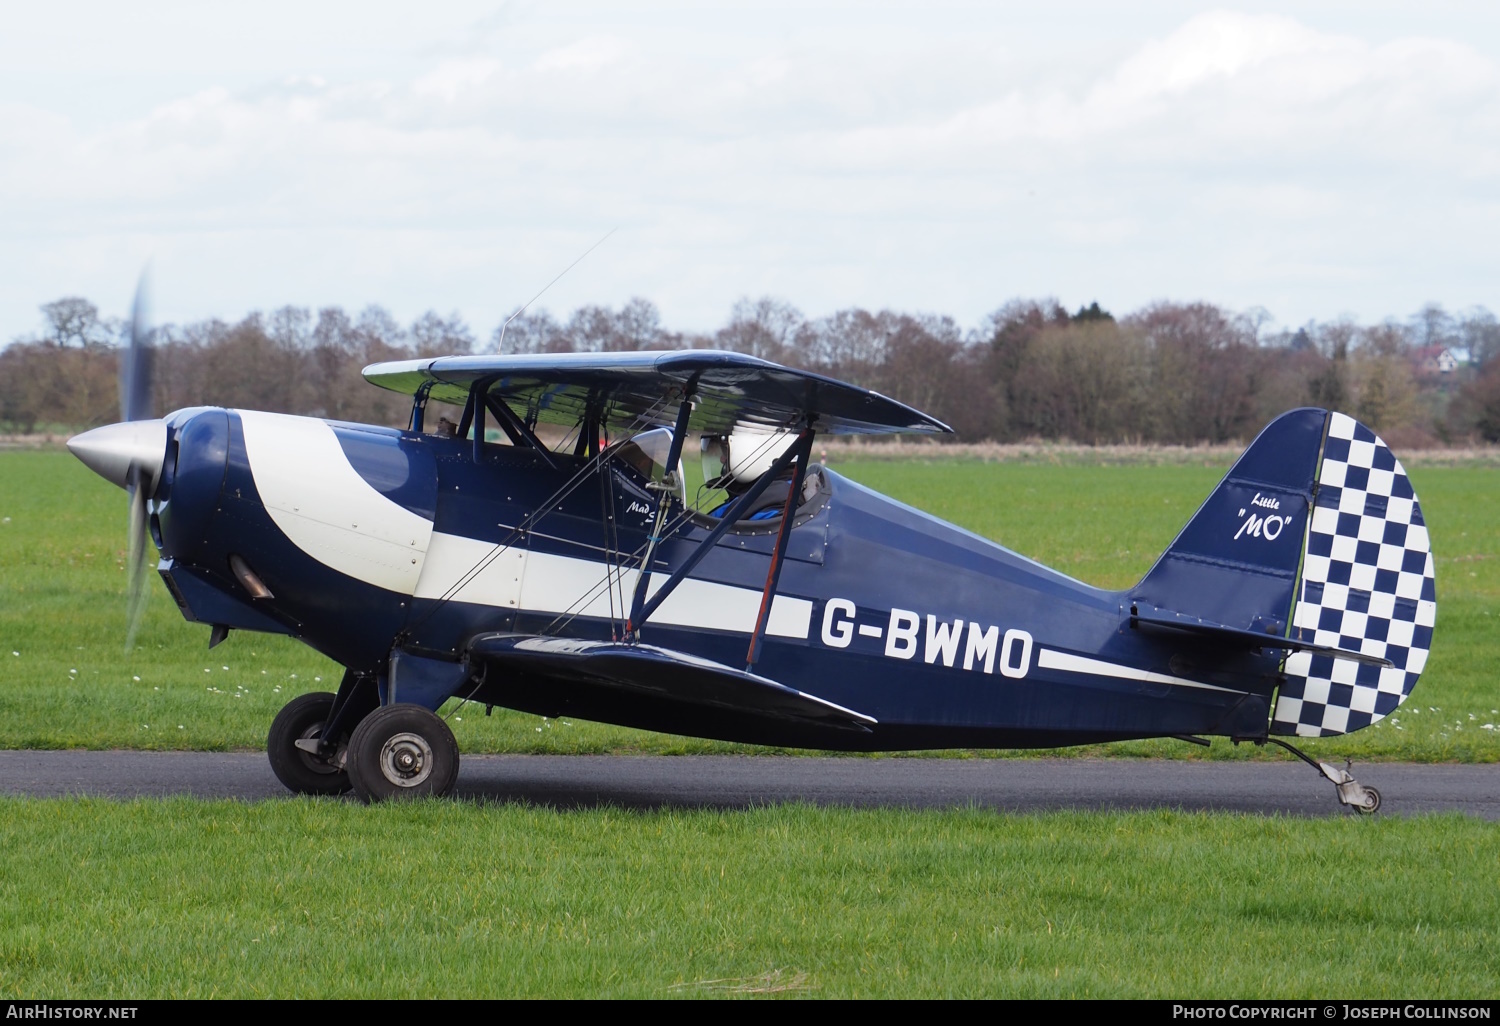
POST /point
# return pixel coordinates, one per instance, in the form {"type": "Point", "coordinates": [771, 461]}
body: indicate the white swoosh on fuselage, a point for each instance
{"type": "Point", "coordinates": [325, 508]}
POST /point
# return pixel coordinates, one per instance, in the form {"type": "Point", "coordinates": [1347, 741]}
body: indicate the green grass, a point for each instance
{"type": "Point", "coordinates": [301, 898]}
{"type": "Point", "coordinates": [65, 681]}
{"type": "Point", "coordinates": [311, 898]}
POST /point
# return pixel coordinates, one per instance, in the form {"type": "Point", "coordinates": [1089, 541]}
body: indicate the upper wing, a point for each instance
{"type": "Point", "coordinates": [661, 675]}
{"type": "Point", "coordinates": [640, 389]}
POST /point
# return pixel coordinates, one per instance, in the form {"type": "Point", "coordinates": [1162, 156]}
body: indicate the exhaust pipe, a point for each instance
{"type": "Point", "coordinates": [248, 579]}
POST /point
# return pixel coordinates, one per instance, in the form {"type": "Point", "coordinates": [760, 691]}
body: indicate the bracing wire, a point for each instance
{"type": "Point", "coordinates": [500, 345]}
{"type": "Point", "coordinates": [617, 572]}
{"type": "Point", "coordinates": [592, 465]}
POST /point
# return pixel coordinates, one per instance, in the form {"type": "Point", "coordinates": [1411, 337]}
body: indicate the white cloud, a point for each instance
{"type": "Point", "coordinates": [452, 78]}
{"type": "Point", "coordinates": [1243, 158]}
{"type": "Point", "coordinates": [585, 55]}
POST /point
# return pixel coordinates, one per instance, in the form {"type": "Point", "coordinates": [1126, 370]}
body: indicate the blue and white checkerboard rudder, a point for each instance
{"type": "Point", "coordinates": [1366, 585]}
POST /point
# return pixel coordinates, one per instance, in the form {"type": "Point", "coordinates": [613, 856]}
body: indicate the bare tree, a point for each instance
{"type": "Point", "coordinates": [850, 344]}
{"type": "Point", "coordinates": [1433, 326]}
{"type": "Point", "coordinates": [1011, 331]}
{"type": "Point", "coordinates": [534, 331]}
{"type": "Point", "coordinates": [638, 327]}
{"type": "Point", "coordinates": [74, 321]}
{"type": "Point", "coordinates": [1479, 333]}
{"type": "Point", "coordinates": [432, 335]}
{"type": "Point", "coordinates": [763, 327]}
{"type": "Point", "coordinates": [1204, 371]}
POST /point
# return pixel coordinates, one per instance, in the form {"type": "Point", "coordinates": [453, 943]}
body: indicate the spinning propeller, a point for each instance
{"type": "Point", "coordinates": [131, 454]}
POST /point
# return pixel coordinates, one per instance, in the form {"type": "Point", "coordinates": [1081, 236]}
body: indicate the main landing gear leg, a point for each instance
{"type": "Point", "coordinates": [308, 739]}
{"type": "Point", "coordinates": [1351, 792]}
{"type": "Point", "coordinates": [304, 756]}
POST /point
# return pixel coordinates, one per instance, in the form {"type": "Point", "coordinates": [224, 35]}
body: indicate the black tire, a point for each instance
{"type": "Point", "coordinates": [304, 772]}
{"type": "Point", "coordinates": [402, 751]}
{"type": "Point", "coordinates": [1373, 804]}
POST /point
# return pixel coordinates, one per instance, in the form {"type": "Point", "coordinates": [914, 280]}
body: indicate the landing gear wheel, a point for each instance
{"type": "Point", "coordinates": [402, 751]}
{"type": "Point", "coordinates": [1372, 802]}
{"type": "Point", "coordinates": [301, 771]}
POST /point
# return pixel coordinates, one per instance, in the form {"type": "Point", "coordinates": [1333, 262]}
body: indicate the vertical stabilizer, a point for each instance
{"type": "Point", "coordinates": [1236, 561]}
{"type": "Point", "coordinates": [1314, 534]}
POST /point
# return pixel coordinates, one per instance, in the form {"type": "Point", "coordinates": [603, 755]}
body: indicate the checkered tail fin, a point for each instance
{"type": "Point", "coordinates": [1366, 584]}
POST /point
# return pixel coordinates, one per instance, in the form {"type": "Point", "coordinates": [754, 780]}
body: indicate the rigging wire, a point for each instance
{"type": "Point", "coordinates": [576, 607]}
{"type": "Point", "coordinates": [527, 523]}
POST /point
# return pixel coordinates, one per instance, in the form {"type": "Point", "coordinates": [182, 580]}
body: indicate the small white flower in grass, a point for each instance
{"type": "Point", "coordinates": [156, 689]}
{"type": "Point", "coordinates": [207, 670]}
{"type": "Point", "coordinates": [262, 673]}
{"type": "Point", "coordinates": [294, 676]}
{"type": "Point", "coordinates": [180, 727]}
{"type": "Point", "coordinates": [317, 678]}
{"type": "Point", "coordinates": [15, 653]}
{"type": "Point", "coordinates": [135, 678]}
{"type": "Point", "coordinates": [539, 730]}
{"type": "Point", "coordinates": [72, 671]}
{"type": "Point", "coordinates": [1486, 726]}
{"type": "Point", "coordinates": [223, 667]}
{"type": "Point", "coordinates": [458, 719]}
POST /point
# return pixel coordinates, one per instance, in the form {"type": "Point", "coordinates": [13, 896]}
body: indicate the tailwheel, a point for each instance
{"type": "Point", "coordinates": [300, 757]}
{"type": "Point", "coordinates": [402, 751]}
{"type": "Point", "coordinates": [1362, 799]}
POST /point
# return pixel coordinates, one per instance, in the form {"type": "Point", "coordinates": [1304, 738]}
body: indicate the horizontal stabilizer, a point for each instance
{"type": "Point", "coordinates": [662, 674]}
{"type": "Point", "coordinates": [1240, 638]}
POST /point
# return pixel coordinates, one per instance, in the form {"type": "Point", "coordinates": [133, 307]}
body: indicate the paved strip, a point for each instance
{"type": "Point", "coordinates": [737, 782]}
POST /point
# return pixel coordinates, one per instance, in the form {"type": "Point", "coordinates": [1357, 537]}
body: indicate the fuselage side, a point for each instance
{"type": "Point", "coordinates": [371, 537]}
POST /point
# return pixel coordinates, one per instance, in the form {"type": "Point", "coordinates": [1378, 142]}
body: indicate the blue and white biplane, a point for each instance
{"type": "Point", "coordinates": [476, 561]}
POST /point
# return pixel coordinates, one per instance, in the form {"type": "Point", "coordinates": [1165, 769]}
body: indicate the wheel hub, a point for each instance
{"type": "Point", "coordinates": [406, 759]}
{"type": "Point", "coordinates": [310, 749]}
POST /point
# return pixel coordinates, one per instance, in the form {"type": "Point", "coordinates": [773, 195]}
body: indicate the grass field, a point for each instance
{"type": "Point", "coordinates": [329, 899]}
{"type": "Point", "coordinates": [66, 682]}
{"type": "Point", "coordinates": [299, 898]}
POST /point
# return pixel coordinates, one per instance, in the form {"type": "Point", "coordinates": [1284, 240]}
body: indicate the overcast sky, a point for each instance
{"type": "Point", "coordinates": [1313, 159]}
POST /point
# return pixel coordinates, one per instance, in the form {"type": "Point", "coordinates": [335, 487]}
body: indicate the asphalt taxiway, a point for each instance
{"type": "Point", "coordinates": [736, 782]}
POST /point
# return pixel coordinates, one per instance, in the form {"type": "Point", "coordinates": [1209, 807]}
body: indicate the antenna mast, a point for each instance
{"type": "Point", "coordinates": [500, 346]}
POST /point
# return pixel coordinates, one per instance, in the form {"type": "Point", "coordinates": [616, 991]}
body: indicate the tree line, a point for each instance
{"type": "Point", "coordinates": [1174, 373]}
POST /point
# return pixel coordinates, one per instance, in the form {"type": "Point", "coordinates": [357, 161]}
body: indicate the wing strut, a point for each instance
{"type": "Point", "coordinates": [663, 503]}
{"type": "Point", "coordinates": [743, 503]}
{"type": "Point", "coordinates": [778, 554]}
{"type": "Point", "coordinates": [419, 407]}
{"type": "Point", "coordinates": [481, 400]}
